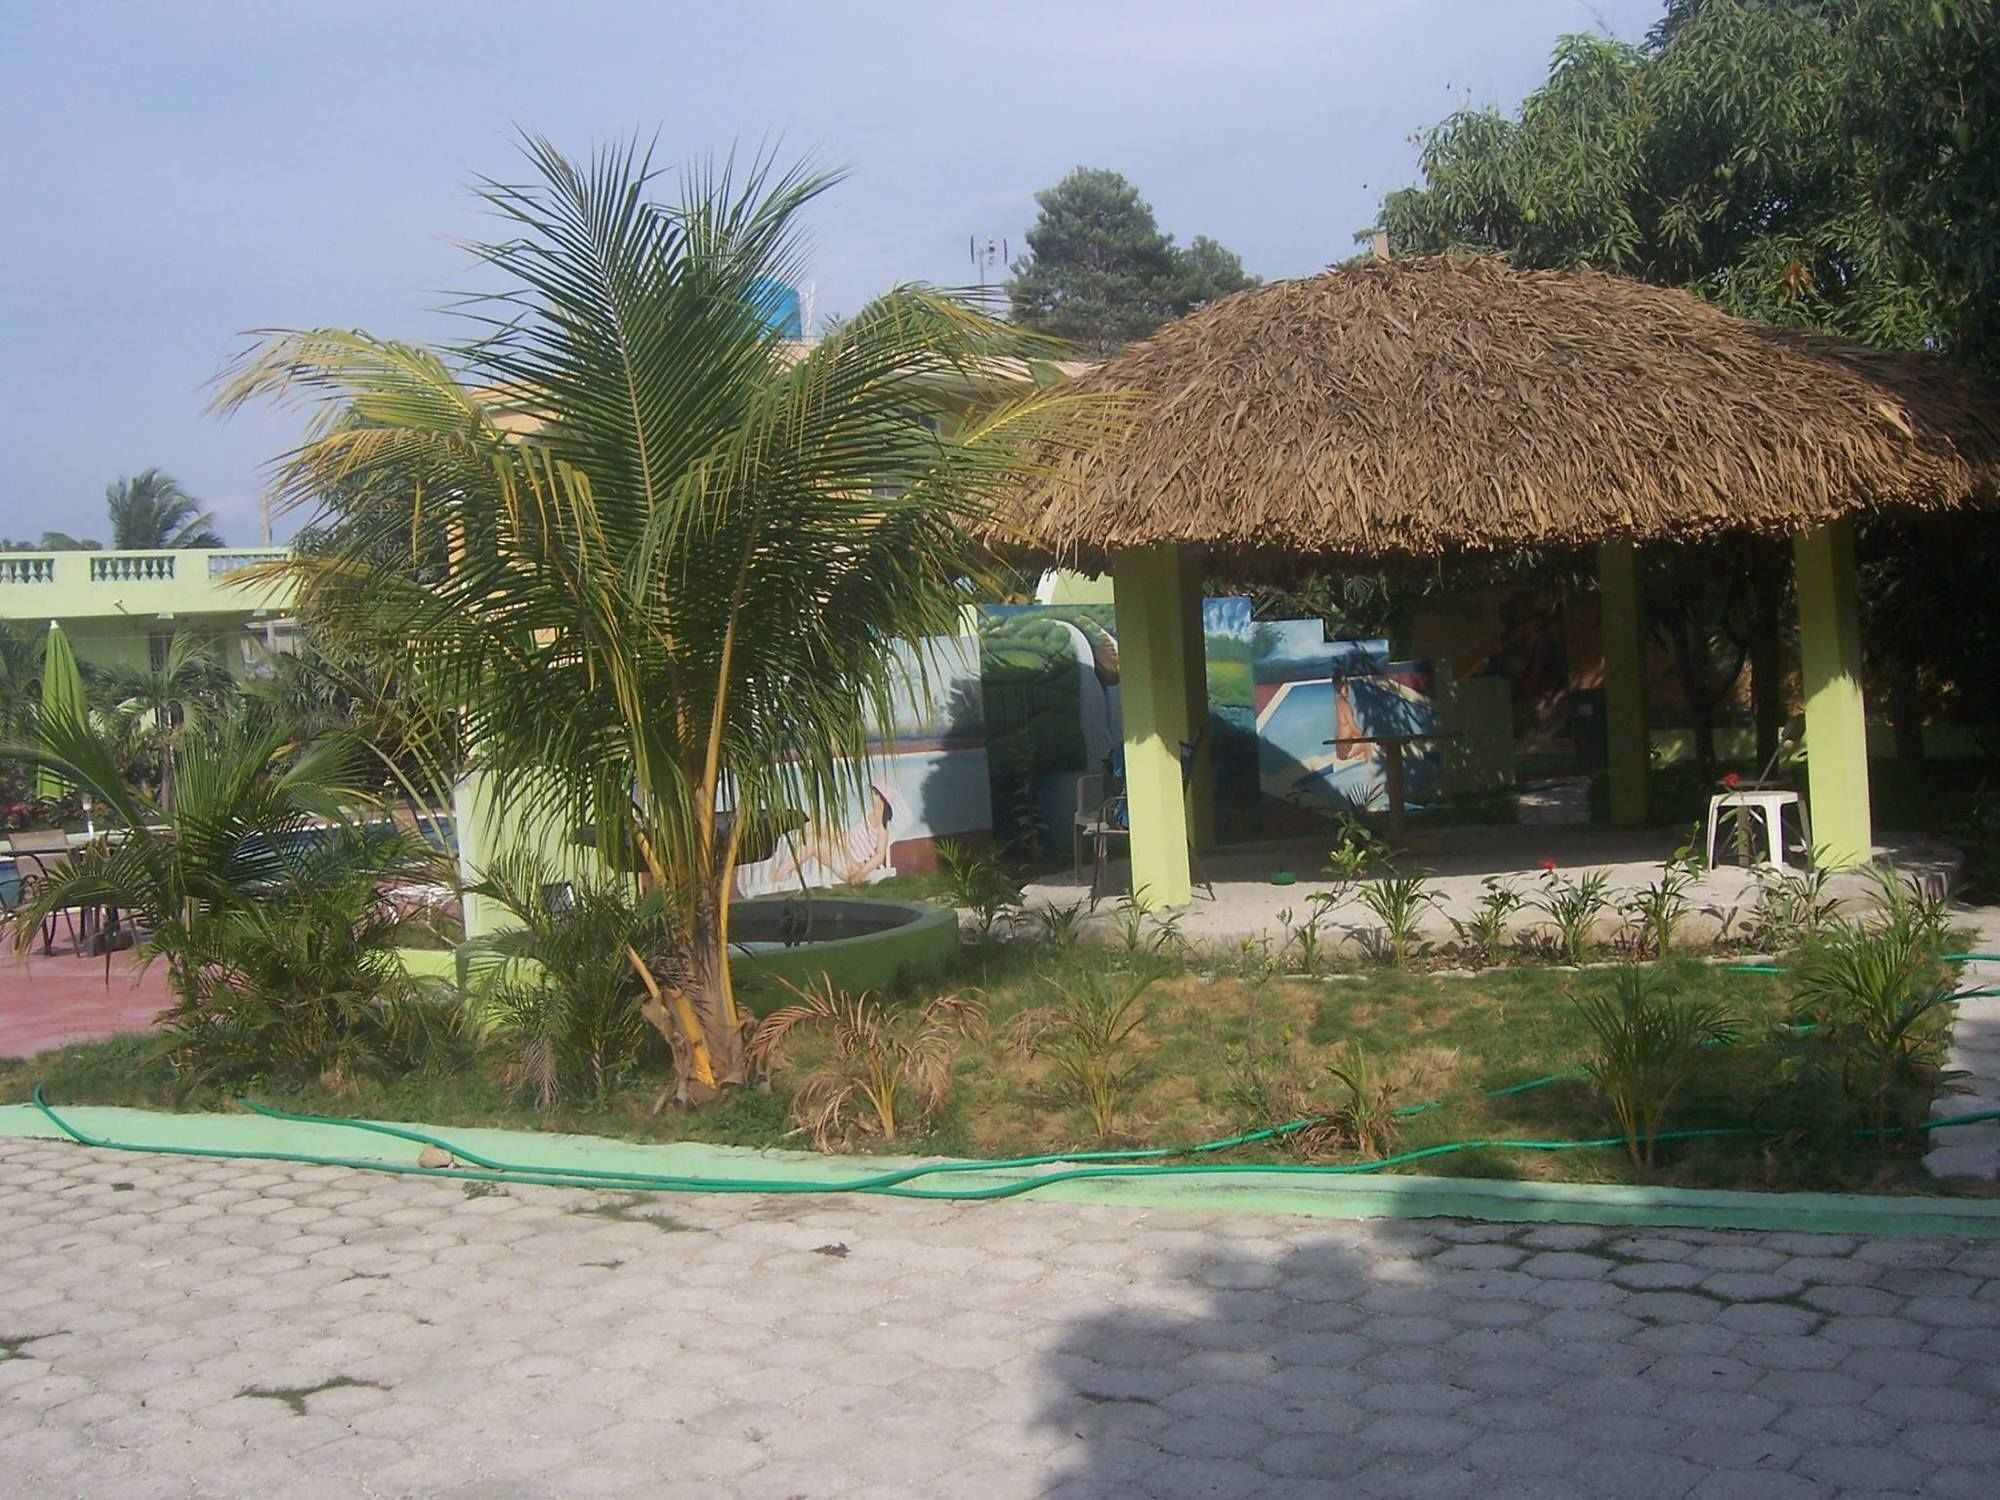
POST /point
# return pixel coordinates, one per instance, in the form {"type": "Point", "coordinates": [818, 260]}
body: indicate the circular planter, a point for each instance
{"type": "Point", "coordinates": [855, 943]}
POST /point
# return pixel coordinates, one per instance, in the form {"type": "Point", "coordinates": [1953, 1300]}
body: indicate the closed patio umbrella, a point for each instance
{"type": "Point", "coordinates": [62, 697]}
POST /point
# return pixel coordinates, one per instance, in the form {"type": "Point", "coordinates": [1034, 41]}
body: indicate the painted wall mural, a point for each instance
{"type": "Point", "coordinates": [927, 779]}
{"type": "Point", "coordinates": [1311, 691]}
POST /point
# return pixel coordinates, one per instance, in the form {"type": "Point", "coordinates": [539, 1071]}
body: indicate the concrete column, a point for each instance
{"type": "Point", "coordinates": [1194, 666]}
{"type": "Point", "coordinates": [1153, 681]}
{"type": "Point", "coordinates": [1624, 635]}
{"type": "Point", "coordinates": [1830, 664]}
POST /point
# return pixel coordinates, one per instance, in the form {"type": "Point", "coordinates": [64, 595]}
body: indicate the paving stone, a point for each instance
{"type": "Point", "coordinates": [1659, 1275]}
{"type": "Point", "coordinates": [1746, 1286]}
{"type": "Point", "coordinates": [1563, 1265]}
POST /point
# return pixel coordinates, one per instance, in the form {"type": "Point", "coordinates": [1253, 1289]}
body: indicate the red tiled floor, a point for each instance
{"type": "Point", "coordinates": [47, 1002]}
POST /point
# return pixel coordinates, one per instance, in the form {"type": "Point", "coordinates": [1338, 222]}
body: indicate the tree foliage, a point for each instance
{"type": "Point", "coordinates": [1830, 165]}
{"type": "Point", "coordinates": [1100, 272]}
{"type": "Point", "coordinates": [150, 510]}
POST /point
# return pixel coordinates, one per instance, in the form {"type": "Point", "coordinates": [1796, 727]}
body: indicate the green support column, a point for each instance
{"type": "Point", "coordinates": [1830, 664]}
{"type": "Point", "coordinates": [1194, 666]}
{"type": "Point", "coordinates": [1624, 632]}
{"type": "Point", "coordinates": [1153, 680]}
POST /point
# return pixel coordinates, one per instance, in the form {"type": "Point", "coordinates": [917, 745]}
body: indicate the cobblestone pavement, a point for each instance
{"type": "Point", "coordinates": [179, 1327]}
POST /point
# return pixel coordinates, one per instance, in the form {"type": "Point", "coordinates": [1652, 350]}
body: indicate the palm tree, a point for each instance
{"type": "Point", "coordinates": [21, 652]}
{"type": "Point", "coordinates": [150, 510]}
{"type": "Point", "coordinates": [682, 553]}
{"type": "Point", "coordinates": [21, 655]}
{"type": "Point", "coordinates": [149, 709]}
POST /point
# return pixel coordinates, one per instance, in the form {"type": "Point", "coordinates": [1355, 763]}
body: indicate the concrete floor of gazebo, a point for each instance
{"type": "Point", "coordinates": [1247, 904]}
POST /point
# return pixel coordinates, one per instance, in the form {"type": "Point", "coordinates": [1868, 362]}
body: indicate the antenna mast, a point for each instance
{"type": "Point", "coordinates": [985, 256]}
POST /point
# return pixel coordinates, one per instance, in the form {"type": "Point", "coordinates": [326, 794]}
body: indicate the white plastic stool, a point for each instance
{"type": "Point", "coordinates": [1770, 805]}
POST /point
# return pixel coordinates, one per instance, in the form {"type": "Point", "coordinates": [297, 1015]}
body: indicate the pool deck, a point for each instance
{"type": "Point", "coordinates": [50, 1002]}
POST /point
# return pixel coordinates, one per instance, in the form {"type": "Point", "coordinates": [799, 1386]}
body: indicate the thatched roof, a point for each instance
{"type": "Point", "coordinates": [1415, 407]}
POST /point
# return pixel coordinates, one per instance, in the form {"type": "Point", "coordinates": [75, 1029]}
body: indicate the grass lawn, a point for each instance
{"type": "Point", "coordinates": [1206, 1037]}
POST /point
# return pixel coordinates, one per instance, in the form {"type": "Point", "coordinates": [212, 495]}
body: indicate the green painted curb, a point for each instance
{"type": "Point", "coordinates": [1346, 1197]}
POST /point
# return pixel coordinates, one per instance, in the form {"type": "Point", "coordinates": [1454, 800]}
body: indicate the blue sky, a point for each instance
{"type": "Point", "coordinates": [178, 174]}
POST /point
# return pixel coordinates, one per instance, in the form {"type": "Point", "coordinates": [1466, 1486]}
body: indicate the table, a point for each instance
{"type": "Point", "coordinates": [1392, 769]}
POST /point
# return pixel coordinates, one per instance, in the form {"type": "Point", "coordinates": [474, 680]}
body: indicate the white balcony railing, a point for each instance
{"type": "Point", "coordinates": [132, 567]}
{"type": "Point", "coordinates": [220, 563]}
{"type": "Point", "coordinates": [27, 569]}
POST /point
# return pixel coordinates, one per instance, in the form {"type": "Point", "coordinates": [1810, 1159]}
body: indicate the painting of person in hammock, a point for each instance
{"type": "Point", "coordinates": [857, 853]}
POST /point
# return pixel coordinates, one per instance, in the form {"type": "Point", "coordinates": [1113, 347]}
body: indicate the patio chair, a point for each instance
{"type": "Point", "coordinates": [1100, 817]}
{"type": "Point", "coordinates": [38, 855]}
{"type": "Point", "coordinates": [1110, 819]}
{"type": "Point", "coordinates": [1766, 799]}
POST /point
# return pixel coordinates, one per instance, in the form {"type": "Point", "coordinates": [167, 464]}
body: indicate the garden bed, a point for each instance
{"type": "Point", "coordinates": [1209, 1057]}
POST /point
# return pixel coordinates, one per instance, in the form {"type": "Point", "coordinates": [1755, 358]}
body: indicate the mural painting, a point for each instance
{"type": "Point", "coordinates": [927, 779]}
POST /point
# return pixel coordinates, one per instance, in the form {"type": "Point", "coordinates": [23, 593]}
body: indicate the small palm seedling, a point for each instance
{"type": "Point", "coordinates": [1366, 1117]}
{"type": "Point", "coordinates": [1482, 934]}
{"type": "Point", "coordinates": [1086, 1031]}
{"type": "Point", "coordinates": [1059, 926]}
{"type": "Point", "coordinates": [977, 882]}
{"type": "Point", "coordinates": [1647, 1046]}
{"type": "Point", "coordinates": [1308, 937]}
{"type": "Point", "coordinates": [1879, 1007]}
{"type": "Point", "coordinates": [1289, 1084]}
{"type": "Point", "coordinates": [554, 996]}
{"type": "Point", "coordinates": [1656, 913]}
{"type": "Point", "coordinates": [1792, 907]}
{"type": "Point", "coordinates": [1398, 902]}
{"type": "Point", "coordinates": [1573, 905]}
{"type": "Point", "coordinates": [889, 1068]}
{"type": "Point", "coordinates": [1141, 931]}
{"type": "Point", "coordinates": [1911, 905]}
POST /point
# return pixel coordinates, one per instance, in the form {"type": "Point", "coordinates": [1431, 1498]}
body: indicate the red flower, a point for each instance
{"type": "Point", "coordinates": [1546, 862]}
{"type": "Point", "coordinates": [1731, 780]}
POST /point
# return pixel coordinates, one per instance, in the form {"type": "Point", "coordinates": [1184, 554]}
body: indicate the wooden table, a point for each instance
{"type": "Point", "coordinates": [1392, 769]}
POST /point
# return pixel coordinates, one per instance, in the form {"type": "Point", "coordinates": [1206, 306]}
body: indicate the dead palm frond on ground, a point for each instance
{"type": "Point", "coordinates": [887, 1069]}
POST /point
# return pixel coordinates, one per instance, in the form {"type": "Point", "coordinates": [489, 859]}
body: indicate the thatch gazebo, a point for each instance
{"type": "Point", "coordinates": [1449, 405]}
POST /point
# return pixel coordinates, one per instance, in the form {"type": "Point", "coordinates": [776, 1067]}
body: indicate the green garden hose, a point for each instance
{"type": "Point", "coordinates": [893, 1183]}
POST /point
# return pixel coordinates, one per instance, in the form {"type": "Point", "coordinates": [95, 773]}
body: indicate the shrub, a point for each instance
{"type": "Point", "coordinates": [1657, 912]}
{"type": "Point", "coordinates": [1911, 905]}
{"type": "Point", "coordinates": [1141, 931]}
{"type": "Point", "coordinates": [1307, 938]}
{"type": "Point", "coordinates": [1291, 1086]}
{"type": "Point", "coordinates": [1357, 850]}
{"type": "Point", "coordinates": [304, 986]}
{"type": "Point", "coordinates": [889, 1069]}
{"type": "Point", "coordinates": [557, 998]}
{"type": "Point", "coordinates": [1647, 1046]}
